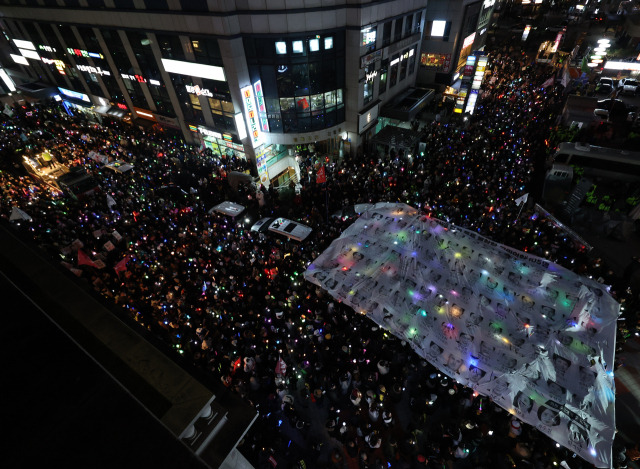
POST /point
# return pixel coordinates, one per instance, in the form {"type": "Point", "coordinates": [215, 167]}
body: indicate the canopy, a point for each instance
{"type": "Point", "coordinates": [19, 214]}
{"type": "Point", "coordinates": [536, 338]}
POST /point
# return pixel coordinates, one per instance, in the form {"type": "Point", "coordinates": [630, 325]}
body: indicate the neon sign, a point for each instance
{"type": "Point", "coordinates": [262, 109]}
{"type": "Point", "coordinates": [251, 115]}
{"type": "Point", "coordinates": [198, 91]}
{"type": "Point", "coordinates": [90, 69]}
{"type": "Point", "coordinates": [84, 53]}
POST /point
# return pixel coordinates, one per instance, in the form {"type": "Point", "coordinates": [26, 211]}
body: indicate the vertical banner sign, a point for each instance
{"type": "Point", "coordinates": [263, 171]}
{"type": "Point", "coordinates": [251, 115]}
{"type": "Point", "coordinates": [476, 83]}
{"type": "Point", "coordinates": [262, 109]}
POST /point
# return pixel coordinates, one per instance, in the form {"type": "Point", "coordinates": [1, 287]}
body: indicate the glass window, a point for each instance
{"type": "Point", "coordinates": [408, 24]}
{"type": "Point", "coordinates": [339, 97]}
{"type": "Point", "coordinates": [215, 105]}
{"type": "Point", "coordinates": [437, 28]}
{"type": "Point", "coordinates": [170, 46]}
{"type": "Point", "coordinates": [275, 125]}
{"type": "Point", "coordinates": [281, 47]}
{"type": "Point", "coordinates": [384, 66]}
{"type": "Point", "coordinates": [300, 75]}
{"type": "Point", "coordinates": [314, 45]}
{"type": "Point", "coordinates": [397, 33]}
{"type": "Point", "coordinates": [297, 47]}
{"type": "Point", "coordinates": [195, 102]}
{"type": "Point", "coordinates": [227, 107]}
{"type": "Point", "coordinates": [367, 94]}
{"type": "Point", "coordinates": [418, 19]}
{"type": "Point", "coordinates": [330, 99]}
{"type": "Point", "coordinates": [287, 104]}
{"type": "Point", "coordinates": [403, 66]}
{"type": "Point", "coordinates": [273, 105]}
{"type": "Point", "coordinates": [317, 102]}
{"type": "Point", "coordinates": [412, 61]}
{"type": "Point", "coordinates": [386, 33]}
{"type": "Point", "coordinates": [328, 43]}
{"type": "Point", "coordinates": [393, 76]}
{"type": "Point", "coordinates": [302, 104]}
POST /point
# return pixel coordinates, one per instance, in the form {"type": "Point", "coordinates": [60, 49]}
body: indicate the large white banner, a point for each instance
{"type": "Point", "coordinates": [535, 337]}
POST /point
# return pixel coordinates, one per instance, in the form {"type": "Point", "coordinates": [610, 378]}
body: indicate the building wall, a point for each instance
{"type": "Point", "coordinates": [128, 39]}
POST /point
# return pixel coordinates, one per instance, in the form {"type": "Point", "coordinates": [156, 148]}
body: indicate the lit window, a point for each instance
{"type": "Point", "coordinates": [281, 47]}
{"type": "Point", "coordinates": [328, 42]}
{"type": "Point", "coordinates": [437, 28]}
{"type": "Point", "coordinates": [297, 47]}
{"type": "Point", "coordinates": [314, 45]}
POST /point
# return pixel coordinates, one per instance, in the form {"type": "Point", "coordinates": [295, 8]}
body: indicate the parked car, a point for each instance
{"type": "Point", "coordinates": [284, 227]}
{"type": "Point", "coordinates": [605, 85]}
{"type": "Point", "coordinates": [229, 208]}
{"type": "Point", "coordinates": [628, 85]}
{"type": "Point", "coordinates": [613, 109]}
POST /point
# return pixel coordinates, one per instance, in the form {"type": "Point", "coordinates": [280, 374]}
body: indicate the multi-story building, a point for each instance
{"type": "Point", "coordinates": [256, 78]}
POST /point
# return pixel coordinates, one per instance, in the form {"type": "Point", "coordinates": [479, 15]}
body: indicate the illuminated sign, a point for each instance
{"type": "Point", "coordinates": [46, 48]}
{"type": "Point", "coordinates": [198, 91]}
{"type": "Point", "coordinates": [122, 106]}
{"type": "Point", "coordinates": [613, 65]}
{"type": "Point", "coordinates": [19, 59]}
{"type": "Point", "coordinates": [154, 82]}
{"type": "Point", "coordinates": [251, 115]}
{"type": "Point", "coordinates": [368, 35]}
{"type": "Point", "coordinates": [24, 44]}
{"type": "Point", "coordinates": [370, 76]}
{"type": "Point", "coordinates": [394, 61]}
{"type": "Point", "coordinates": [84, 53]}
{"type": "Point", "coordinates": [7, 80]}
{"type": "Point", "coordinates": [468, 40]}
{"type": "Point", "coordinates": [242, 129]}
{"type": "Point", "coordinates": [138, 78]}
{"type": "Point", "coordinates": [29, 54]}
{"type": "Point", "coordinates": [262, 109]}
{"type": "Point", "coordinates": [210, 72]}
{"type": "Point", "coordinates": [74, 94]}
{"type": "Point", "coordinates": [209, 133]}
{"type": "Point", "coordinates": [525, 33]}
{"type": "Point", "coordinates": [90, 69]}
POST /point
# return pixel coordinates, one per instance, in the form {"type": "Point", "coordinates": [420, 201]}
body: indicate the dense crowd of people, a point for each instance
{"type": "Point", "coordinates": [235, 304]}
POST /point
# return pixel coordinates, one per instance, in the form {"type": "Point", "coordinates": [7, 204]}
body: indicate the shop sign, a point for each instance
{"type": "Point", "coordinates": [90, 69]}
{"type": "Point", "coordinates": [209, 133]}
{"type": "Point", "coordinates": [468, 40]}
{"type": "Point", "coordinates": [251, 115]}
{"type": "Point", "coordinates": [74, 94]}
{"type": "Point", "coordinates": [366, 119]}
{"type": "Point", "coordinates": [138, 78]}
{"type": "Point", "coordinates": [262, 109]}
{"type": "Point", "coordinates": [371, 75]}
{"type": "Point", "coordinates": [84, 53]}
{"type": "Point", "coordinates": [195, 89]}
{"type": "Point", "coordinates": [370, 58]}
{"type": "Point", "coordinates": [46, 48]}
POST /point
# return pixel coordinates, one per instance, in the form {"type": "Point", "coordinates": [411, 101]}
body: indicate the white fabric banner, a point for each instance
{"type": "Point", "coordinates": [535, 337]}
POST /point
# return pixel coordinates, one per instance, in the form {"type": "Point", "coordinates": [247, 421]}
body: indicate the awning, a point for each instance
{"type": "Point", "coordinates": [144, 123]}
{"type": "Point", "coordinates": [397, 137]}
{"type": "Point", "coordinates": [115, 111]}
{"type": "Point", "coordinates": [407, 106]}
{"type": "Point", "coordinates": [102, 109]}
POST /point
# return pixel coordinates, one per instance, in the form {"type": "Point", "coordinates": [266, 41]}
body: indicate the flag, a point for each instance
{"type": "Point", "coordinates": [522, 199]}
{"type": "Point", "coordinates": [84, 259]}
{"type": "Point", "coordinates": [236, 365]}
{"type": "Point", "coordinates": [281, 367]}
{"type": "Point", "coordinates": [122, 265]}
{"type": "Point", "coordinates": [19, 214]}
{"type": "Point", "coordinates": [549, 82]}
{"type": "Point", "coordinates": [321, 177]}
{"type": "Point", "coordinates": [565, 77]}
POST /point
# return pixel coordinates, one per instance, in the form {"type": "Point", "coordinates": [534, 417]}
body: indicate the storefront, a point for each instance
{"type": "Point", "coordinates": [221, 145]}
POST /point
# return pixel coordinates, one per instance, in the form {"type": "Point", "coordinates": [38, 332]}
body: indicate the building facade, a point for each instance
{"type": "Point", "coordinates": [260, 79]}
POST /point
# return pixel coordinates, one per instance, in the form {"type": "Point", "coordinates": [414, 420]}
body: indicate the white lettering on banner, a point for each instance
{"type": "Point", "coordinates": [485, 314]}
{"type": "Point", "coordinates": [199, 91]}
{"type": "Point", "coordinates": [251, 115]}
{"type": "Point", "coordinates": [372, 75]}
{"type": "Point", "coordinates": [90, 69]}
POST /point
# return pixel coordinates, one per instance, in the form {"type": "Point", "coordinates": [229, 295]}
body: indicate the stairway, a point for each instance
{"type": "Point", "coordinates": [576, 197]}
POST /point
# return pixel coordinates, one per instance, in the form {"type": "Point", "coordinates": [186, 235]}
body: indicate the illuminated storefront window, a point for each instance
{"type": "Point", "coordinates": [438, 62]}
